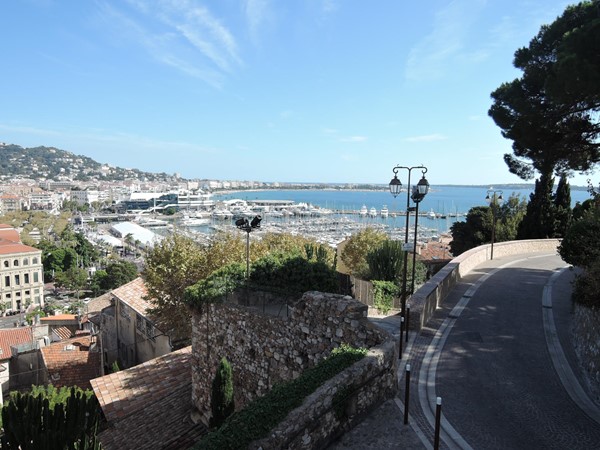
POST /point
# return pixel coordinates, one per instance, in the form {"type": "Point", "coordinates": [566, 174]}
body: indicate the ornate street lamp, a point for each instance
{"type": "Point", "coordinates": [248, 226]}
{"type": "Point", "coordinates": [494, 201]}
{"type": "Point", "coordinates": [421, 190]}
{"type": "Point", "coordinates": [418, 194]}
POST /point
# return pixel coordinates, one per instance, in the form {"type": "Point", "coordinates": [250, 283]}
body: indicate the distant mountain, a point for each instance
{"type": "Point", "coordinates": [50, 163]}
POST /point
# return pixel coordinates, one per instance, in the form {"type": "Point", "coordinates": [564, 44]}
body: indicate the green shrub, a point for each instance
{"type": "Point", "coordinates": [222, 403]}
{"type": "Point", "coordinates": [50, 418]}
{"type": "Point", "coordinates": [386, 261]}
{"type": "Point", "coordinates": [260, 416]}
{"type": "Point", "coordinates": [384, 293]}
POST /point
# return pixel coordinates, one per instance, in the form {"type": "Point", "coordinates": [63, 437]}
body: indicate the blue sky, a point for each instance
{"type": "Point", "coordinates": [288, 90]}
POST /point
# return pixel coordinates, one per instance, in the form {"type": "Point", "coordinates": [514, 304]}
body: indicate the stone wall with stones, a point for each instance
{"type": "Point", "coordinates": [339, 404]}
{"type": "Point", "coordinates": [587, 344]}
{"type": "Point", "coordinates": [266, 350]}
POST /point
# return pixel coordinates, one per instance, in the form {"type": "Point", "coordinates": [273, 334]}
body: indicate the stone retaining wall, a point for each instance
{"type": "Point", "coordinates": [265, 350]}
{"type": "Point", "coordinates": [587, 344]}
{"type": "Point", "coordinates": [424, 302]}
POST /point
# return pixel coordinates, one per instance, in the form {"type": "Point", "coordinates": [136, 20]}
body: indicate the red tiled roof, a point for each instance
{"type": "Point", "coordinates": [149, 406]}
{"type": "Point", "coordinates": [70, 363]}
{"type": "Point", "coordinates": [96, 305]}
{"type": "Point", "coordinates": [129, 391]}
{"type": "Point", "coordinates": [13, 336]}
{"type": "Point", "coordinates": [10, 234]}
{"type": "Point", "coordinates": [133, 294]}
{"type": "Point", "coordinates": [63, 333]}
{"type": "Point", "coordinates": [7, 247]}
{"type": "Point", "coordinates": [59, 318]}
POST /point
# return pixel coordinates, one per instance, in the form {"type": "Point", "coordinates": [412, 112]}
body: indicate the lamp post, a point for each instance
{"type": "Point", "coordinates": [494, 200]}
{"type": "Point", "coordinates": [421, 190]}
{"type": "Point", "coordinates": [248, 226]}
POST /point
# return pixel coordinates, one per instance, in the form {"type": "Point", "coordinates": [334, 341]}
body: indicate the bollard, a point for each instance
{"type": "Point", "coordinates": [438, 418]}
{"type": "Point", "coordinates": [401, 330]}
{"type": "Point", "coordinates": [407, 324]}
{"type": "Point", "coordinates": [406, 394]}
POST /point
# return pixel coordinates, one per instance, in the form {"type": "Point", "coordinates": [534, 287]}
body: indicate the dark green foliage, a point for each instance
{"type": "Point", "coordinates": [293, 274]}
{"type": "Point", "coordinates": [384, 293]}
{"type": "Point", "coordinates": [473, 232]}
{"type": "Point", "coordinates": [562, 207]}
{"type": "Point", "coordinates": [259, 417]}
{"type": "Point", "coordinates": [538, 222]}
{"type": "Point", "coordinates": [549, 113]}
{"type": "Point", "coordinates": [222, 402]}
{"type": "Point", "coordinates": [118, 273]}
{"type": "Point", "coordinates": [586, 289]}
{"type": "Point", "coordinates": [386, 261]}
{"type": "Point", "coordinates": [48, 419]}
{"type": "Point", "coordinates": [581, 245]}
{"type": "Point", "coordinates": [215, 287]}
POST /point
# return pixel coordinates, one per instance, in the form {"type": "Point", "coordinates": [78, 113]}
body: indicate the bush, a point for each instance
{"type": "Point", "coordinates": [263, 414]}
{"type": "Point", "coordinates": [386, 261]}
{"type": "Point", "coordinates": [384, 293]}
{"type": "Point", "coordinates": [50, 418]}
{"type": "Point", "coordinates": [587, 287]}
{"type": "Point", "coordinates": [222, 403]}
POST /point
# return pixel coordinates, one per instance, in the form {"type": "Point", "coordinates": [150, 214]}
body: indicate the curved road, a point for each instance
{"type": "Point", "coordinates": [495, 373]}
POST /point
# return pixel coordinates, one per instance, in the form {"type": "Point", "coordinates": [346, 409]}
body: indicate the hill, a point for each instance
{"type": "Point", "coordinates": [49, 163]}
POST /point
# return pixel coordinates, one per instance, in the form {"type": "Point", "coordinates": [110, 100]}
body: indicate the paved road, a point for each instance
{"type": "Point", "coordinates": [495, 374]}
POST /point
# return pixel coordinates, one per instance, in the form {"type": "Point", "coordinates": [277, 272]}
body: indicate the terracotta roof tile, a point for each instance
{"type": "Point", "coordinates": [13, 336]}
{"type": "Point", "coordinates": [149, 406]}
{"type": "Point", "coordinates": [131, 390]}
{"type": "Point", "coordinates": [134, 293]}
{"type": "Point", "coordinates": [70, 363]}
{"type": "Point", "coordinates": [59, 318]}
{"type": "Point", "coordinates": [63, 333]}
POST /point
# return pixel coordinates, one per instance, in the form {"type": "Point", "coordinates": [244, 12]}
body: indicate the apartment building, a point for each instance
{"type": "Point", "coordinates": [21, 272]}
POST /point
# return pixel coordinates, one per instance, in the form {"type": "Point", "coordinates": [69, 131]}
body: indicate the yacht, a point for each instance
{"type": "Point", "coordinates": [373, 212]}
{"type": "Point", "coordinates": [363, 211]}
{"type": "Point", "coordinates": [431, 215]}
{"type": "Point", "coordinates": [384, 211]}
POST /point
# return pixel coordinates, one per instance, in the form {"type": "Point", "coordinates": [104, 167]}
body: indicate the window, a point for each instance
{"type": "Point", "coordinates": [34, 261]}
{"type": "Point", "coordinates": [139, 323]}
{"type": "Point", "coordinates": [37, 299]}
{"type": "Point", "coordinates": [17, 280]}
{"type": "Point", "coordinates": [16, 263]}
{"type": "Point", "coordinates": [124, 311]}
{"type": "Point", "coordinates": [150, 330]}
{"type": "Point", "coordinates": [26, 261]}
{"type": "Point", "coordinates": [6, 263]}
{"type": "Point", "coordinates": [18, 294]}
{"type": "Point", "coordinates": [26, 278]}
{"type": "Point", "coordinates": [36, 277]}
{"type": "Point", "coordinates": [27, 292]}
{"type": "Point", "coordinates": [7, 281]}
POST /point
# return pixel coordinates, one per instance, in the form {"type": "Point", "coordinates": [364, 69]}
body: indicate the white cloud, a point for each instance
{"type": "Point", "coordinates": [180, 34]}
{"type": "Point", "coordinates": [257, 13]}
{"type": "Point", "coordinates": [354, 139]}
{"type": "Point", "coordinates": [426, 138]}
{"type": "Point", "coordinates": [431, 57]}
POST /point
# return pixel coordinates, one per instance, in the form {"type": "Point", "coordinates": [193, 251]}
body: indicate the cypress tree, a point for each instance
{"type": "Point", "coordinates": [222, 402]}
{"type": "Point", "coordinates": [562, 204]}
{"type": "Point", "coordinates": [538, 222]}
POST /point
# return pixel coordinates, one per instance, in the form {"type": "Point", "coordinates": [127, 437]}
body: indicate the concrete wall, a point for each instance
{"type": "Point", "coordinates": [266, 350]}
{"type": "Point", "coordinates": [424, 302]}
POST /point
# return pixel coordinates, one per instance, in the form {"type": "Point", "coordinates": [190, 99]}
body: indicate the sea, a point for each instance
{"type": "Point", "coordinates": [449, 203]}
